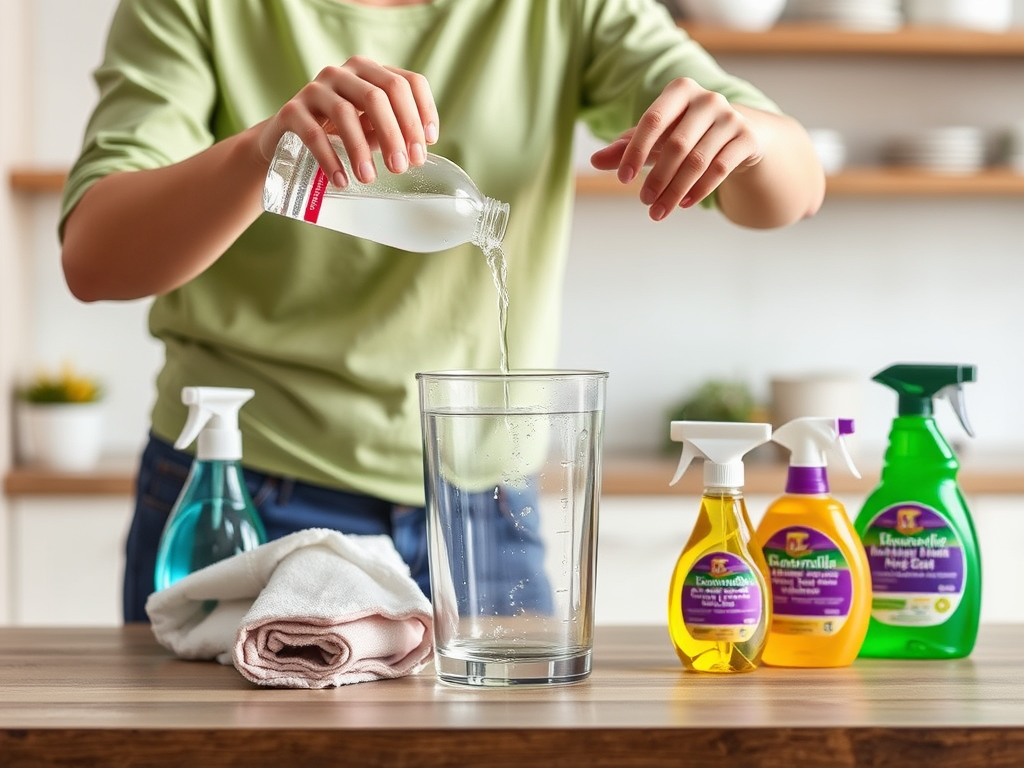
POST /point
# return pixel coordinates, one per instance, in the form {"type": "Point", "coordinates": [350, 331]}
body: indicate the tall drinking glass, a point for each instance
{"type": "Point", "coordinates": [512, 471]}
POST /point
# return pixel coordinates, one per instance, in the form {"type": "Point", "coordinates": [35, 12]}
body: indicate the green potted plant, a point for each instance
{"type": "Point", "coordinates": [60, 420]}
{"type": "Point", "coordinates": [714, 400]}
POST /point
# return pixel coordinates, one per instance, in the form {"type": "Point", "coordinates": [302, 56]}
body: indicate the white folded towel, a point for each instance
{"type": "Point", "coordinates": [313, 609]}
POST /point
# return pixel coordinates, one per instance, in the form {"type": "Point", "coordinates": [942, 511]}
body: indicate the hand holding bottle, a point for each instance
{"type": "Point", "coordinates": [202, 204]}
{"type": "Point", "coordinates": [369, 106]}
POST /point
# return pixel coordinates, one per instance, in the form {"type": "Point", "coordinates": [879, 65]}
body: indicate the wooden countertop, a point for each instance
{"type": "Point", "coordinates": [114, 697]}
{"type": "Point", "coordinates": [621, 476]}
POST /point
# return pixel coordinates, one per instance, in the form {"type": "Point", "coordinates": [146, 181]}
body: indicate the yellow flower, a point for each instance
{"type": "Point", "coordinates": [67, 386]}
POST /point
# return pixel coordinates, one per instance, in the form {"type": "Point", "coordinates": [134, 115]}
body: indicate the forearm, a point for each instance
{"type": "Point", "coordinates": [142, 233]}
{"type": "Point", "coordinates": [788, 183]}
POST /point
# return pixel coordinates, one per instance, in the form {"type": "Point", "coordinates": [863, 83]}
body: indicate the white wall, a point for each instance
{"type": "Point", "coordinates": [663, 306]}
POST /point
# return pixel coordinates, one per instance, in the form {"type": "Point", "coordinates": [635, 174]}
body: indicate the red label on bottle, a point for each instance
{"type": "Point", "coordinates": [316, 195]}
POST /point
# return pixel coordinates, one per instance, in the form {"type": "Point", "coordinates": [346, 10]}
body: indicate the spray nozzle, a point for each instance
{"type": "Point", "coordinates": [722, 445]}
{"type": "Point", "coordinates": [917, 386]}
{"type": "Point", "coordinates": [213, 419]}
{"type": "Point", "coordinates": [809, 440]}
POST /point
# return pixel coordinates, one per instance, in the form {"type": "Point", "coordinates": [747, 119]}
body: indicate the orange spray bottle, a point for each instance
{"type": "Point", "coordinates": [820, 579]}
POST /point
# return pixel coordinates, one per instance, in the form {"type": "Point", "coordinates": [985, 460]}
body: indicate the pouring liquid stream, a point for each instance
{"type": "Point", "coordinates": [499, 271]}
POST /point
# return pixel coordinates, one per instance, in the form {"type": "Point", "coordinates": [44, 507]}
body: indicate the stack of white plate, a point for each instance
{"type": "Point", "coordinates": [984, 15]}
{"type": "Point", "coordinates": [951, 149]}
{"type": "Point", "coordinates": [865, 15]}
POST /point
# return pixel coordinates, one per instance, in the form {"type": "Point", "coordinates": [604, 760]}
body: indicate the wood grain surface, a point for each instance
{"type": "Point", "coordinates": [115, 697]}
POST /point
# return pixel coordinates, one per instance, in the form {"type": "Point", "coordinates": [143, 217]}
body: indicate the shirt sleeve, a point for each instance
{"type": "Point", "coordinates": [157, 94]}
{"type": "Point", "coordinates": [633, 49]}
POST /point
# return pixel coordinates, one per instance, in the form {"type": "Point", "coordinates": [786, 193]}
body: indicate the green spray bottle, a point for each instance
{"type": "Point", "coordinates": [916, 528]}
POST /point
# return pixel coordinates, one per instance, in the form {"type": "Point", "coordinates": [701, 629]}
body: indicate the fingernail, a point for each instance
{"type": "Point", "coordinates": [367, 172]}
{"type": "Point", "coordinates": [626, 174]}
{"type": "Point", "coordinates": [430, 133]}
{"type": "Point", "coordinates": [658, 212]}
{"type": "Point", "coordinates": [417, 154]}
{"type": "Point", "coordinates": [399, 162]}
{"type": "Point", "coordinates": [339, 180]}
{"type": "Point", "coordinates": [647, 196]}
{"type": "Point", "coordinates": [686, 202]}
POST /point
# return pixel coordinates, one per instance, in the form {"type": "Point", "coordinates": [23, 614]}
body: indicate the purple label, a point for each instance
{"type": "Point", "coordinates": [912, 549]}
{"type": "Point", "coordinates": [721, 590]}
{"type": "Point", "coordinates": [810, 575]}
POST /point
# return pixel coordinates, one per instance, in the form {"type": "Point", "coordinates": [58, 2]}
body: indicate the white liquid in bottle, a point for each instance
{"type": "Point", "coordinates": [412, 224]}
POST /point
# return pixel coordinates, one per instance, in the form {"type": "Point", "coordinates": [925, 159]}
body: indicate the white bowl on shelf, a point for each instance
{"type": "Point", "coordinates": [745, 15]}
{"type": "Point", "coordinates": [830, 148]}
{"type": "Point", "coordinates": [982, 15]}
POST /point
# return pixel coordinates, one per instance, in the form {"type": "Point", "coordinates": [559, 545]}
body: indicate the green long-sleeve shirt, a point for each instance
{"type": "Point", "coordinates": [330, 330]}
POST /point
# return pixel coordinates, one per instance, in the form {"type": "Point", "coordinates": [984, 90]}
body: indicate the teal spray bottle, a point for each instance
{"type": "Point", "coordinates": [214, 516]}
{"type": "Point", "coordinates": [916, 528]}
{"type": "Point", "coordinates": [719, 604]}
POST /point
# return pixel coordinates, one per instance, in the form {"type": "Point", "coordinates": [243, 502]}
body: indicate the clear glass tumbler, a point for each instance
{"type": "Point", "coordinates": [512, 471]}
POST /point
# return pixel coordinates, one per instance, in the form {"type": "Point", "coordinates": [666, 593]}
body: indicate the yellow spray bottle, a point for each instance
{"type": "Point", "coordinates": [820, 579]}
{"type": "Point", "coordinates": [719, 606]}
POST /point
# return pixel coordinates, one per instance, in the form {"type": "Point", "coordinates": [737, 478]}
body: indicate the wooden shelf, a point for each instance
{"type": "Point", "coordinates": [797, 38]}
{"type": "Point", "coordinates": [902, 181]}
{"type": "Point", "coordinates": [37, 180]}
{"type": "Point", "coordinates": [866, 182]}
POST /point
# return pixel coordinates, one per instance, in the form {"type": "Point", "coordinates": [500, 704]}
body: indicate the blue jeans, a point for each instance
{"type": "Point", "coordinates": [284, 505]}
{"type": "Point", "coordinates": [499, 523]}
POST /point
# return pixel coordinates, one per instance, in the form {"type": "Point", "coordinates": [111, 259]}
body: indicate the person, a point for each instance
{"type": "Point", "coordinates": [164, 201]}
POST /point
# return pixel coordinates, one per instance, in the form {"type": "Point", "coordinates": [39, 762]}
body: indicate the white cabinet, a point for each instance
{"type": "Point", "coordinates": [641, 537]}
{"type": "Point", "coordinates": [999, 523]}
{"type": "Point", "coordinates": [67, 559]}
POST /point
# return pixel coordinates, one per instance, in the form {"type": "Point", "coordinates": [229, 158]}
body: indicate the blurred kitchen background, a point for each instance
{"type": "Point", "coordinates": [874, 279]}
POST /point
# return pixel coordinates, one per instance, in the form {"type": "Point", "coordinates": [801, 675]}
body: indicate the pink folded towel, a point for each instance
{"type": "Point", "coordinates": [311, 610]}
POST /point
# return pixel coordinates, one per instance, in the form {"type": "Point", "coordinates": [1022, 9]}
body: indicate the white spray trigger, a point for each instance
{"type": "Point", "coordinates": [689, 454]}
{"type": "Point", "coordinates": [213, 420]}
{"type": "Point", "coordinates": [722, 444]}
{"type": "Point", "coordinates": [810, 439]}
{"type": "Point", "coordinates": [844, 451]}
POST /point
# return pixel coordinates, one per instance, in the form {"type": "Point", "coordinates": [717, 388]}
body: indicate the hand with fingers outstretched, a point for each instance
{"type": "Point", "coordinates": [693, 141]}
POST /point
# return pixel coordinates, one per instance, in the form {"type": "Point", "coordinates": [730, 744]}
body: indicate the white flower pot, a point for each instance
{"type": "Point", "coordinates": [63, 436]}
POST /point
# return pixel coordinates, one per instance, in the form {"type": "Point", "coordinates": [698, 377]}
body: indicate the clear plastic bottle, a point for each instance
{"type": "Point", "coordinates": [214, 516]}
{"type": "Point", "coordinates": [427, 208]}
